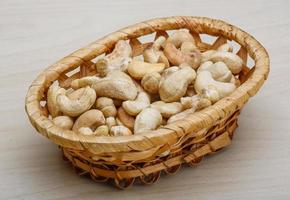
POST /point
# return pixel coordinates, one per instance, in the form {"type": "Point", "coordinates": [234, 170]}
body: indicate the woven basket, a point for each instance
{"type": "Point", "coordinates": [125, 159]}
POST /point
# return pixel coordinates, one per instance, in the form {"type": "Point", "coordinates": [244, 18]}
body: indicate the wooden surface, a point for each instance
{"type": "Point", "coordinates": [34, 34]}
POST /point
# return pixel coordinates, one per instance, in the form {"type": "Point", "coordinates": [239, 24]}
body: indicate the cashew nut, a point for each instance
{"type": "Point", "coordinates": [187, 47]}
{"type": "Point", "coordinates": [147, 120]}
{"type": "Point", "coordinates": [174, 85]}
{"type": "Point", "coordinates": [117, 86]}
{"type": "Point", "coordinates": [125, 119]}
{"type": "Point", "coordinates": [117, 60]}
{"type": "Point", "coordinates": [218, 70]}
{"type": "Point", "coordinates": [76, 107]}
{"type": "Point", "coordinates": [167, 109]}
{"type": "Point", "coordinates": [180, 37]}
{"type": "Point", "coordinates": [176, 57]}
{"type": "Point", "coordinates": [83, 82]}
{"type": "Point", "coordinates": [204, 80]}
{"type": "Point", "coordinates": [120, 131]}
{"type": "Point", "coordinates": [85, 131]}
{"type": "Point", "coordinates": [137, 69]}
{"type": "Point", "coordinates": [52, 105]}
{"type": "Point", "coordinates": [134, 107]}
{"type": "Point", "coordinates": [225, 47]}
{"type": "Point", "coordinates": [106, 105]}
{"type": "Point", "coordinates": [111, 121]}
{"type": "Point", "coordinates": [102, 130]}
{"type": "Point", "coordinates": [75, 94]}
{"type": "Point", "coordinates": [195, 102]}
{"type": "Point", "coordinates": [64, 122]}
{"type": "Point", "coordinates": [92, 119]}
{"type": "Point", "coordinates": [150, 82]}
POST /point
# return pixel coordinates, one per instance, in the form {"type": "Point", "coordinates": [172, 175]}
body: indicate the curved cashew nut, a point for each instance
{"type": "Point", "coordinates": [76, 107]}
{"type": "Point", "coordinates": [195, 102]}
{"type": "Point", "coordinates": [116, 86]}
{"type": "Point", "coordinates": [218, 70]}
{"type": "Point", "coordinates": [92, 119]}
{"type": "Point", "coordinates": [64, 122]}
{"type": "Point", "coordinates": [180, 37]}
{"type": "Point", "coordinates": [117, 60]}
{"type": "Point", "coordinates": [176, 57]}
{"type": "Point", "coordinates": [204, 80]}
{"type": "Point", "coordinates": [102, 130]}
{"type": "Point", "coordinates": [138, 69]}
{"type": "Point", "coordinates": [167, 109]}
{"type": "Point", "coordinates": [125, 119]}
{"type": "Point", "coordinates": [187, 47]}
{"type": "Point", "coordinates": [106, 105]}
{"type": "Point", "coordinates": [85, 131]}
{"type": "Point", "coordinates": [147, 120]}
{"type": "Point", "coordinates": [111, 121]}
{"type": "Point", "coordinates": [83, 82]}
{"type": "Point", "coordinates": [174, 85]}
{"type": "Point", "coordinates": [225, 47]}
{"type": "Point", "coordinates": [150, 82]}
{"type": "Point", "coordinates": [134, 107]}
{"type": "Point", "coordinates": [120, 131]}
{"type": "Point", "coordinates": [52, 105]}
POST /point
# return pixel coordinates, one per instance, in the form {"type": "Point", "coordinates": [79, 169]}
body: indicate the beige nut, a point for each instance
{"type": "Point", "coordinates": [141, 102]}
{"type": "Point", "coordinates": [225, 47]}
{"type": "Point", "coordinates": [83, 82]}
{"type": "Point", "coordinates": [174, 85]}
{"type": "Point", "coordinates": [138, 69]}
{"type": "Point", "coordinates": [218, 70]}
{"type": "Point", "coordinates": [187, 47]}
{"type": "Point", "coordinates": [176, 57]}
{"type": "Point", "coordinates": [92, 119]}
{"type": "Point", "coordinates": [117, 60]}
{"type": "Point", "coordinates": [102, 130]}
{"type": "Point", "coordinates": [64, 122]}
{"type": "Point", "coordinates": [117, 86]}
{"type": "Point", "coordinates": [150, 82]}
{"type": "Point", "coordinates": [180, 37]}
{"type": "Point", "coordinates": [180, 116]}
{"type": "Point", "coordinates": [120, 131]}
{"type": "Point", "coordinates": [111, 121]}
{"type": "Point", "coordinates": [74, 108]}
{"type": "Point", "coordinates": [167, 109]}
{"type": "Point", "coordinates": [52, 105]}
{"type": "Point", "coordinates": [75, 94]}
{"type": "Point", "coordinates": [195, 102]}
{"type": "Point", "coordinates": [147, 120]}
{"type": "Point", "coordinates": [85, 131]}
{"type": "Point", "coordinates": [125, 119]}
{"type": "Point", "coordinates": [205, 81]}
{"type": "Point", "coordinates": [106, 105]}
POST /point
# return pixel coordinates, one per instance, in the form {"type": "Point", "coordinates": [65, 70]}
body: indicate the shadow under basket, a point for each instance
{"type": "Point", "coordinates": [125, 159]}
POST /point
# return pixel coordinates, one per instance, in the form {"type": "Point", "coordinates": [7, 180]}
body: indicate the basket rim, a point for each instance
{"type": "Point", "coordinates": [170, 133]}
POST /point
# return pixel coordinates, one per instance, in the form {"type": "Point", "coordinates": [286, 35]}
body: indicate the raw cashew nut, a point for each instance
{"type": "Point", "coordinates": [176, 57]}
{"type": "Point", "coordinates": [83, 82]}
{"type": "Point", "coordinates": [180, 37]}
{"type": "Point", "coordinates": [204, 80]}
{"type": "Point", "coordinates": [125, 119]}
{"type": "Point", "coordinates": [85, 131]}
{"type": "Point", "coordinates": [116, 85]}
{"type": "Point", "coordinates": [106, 105]}
{"type": "Point", "coordinates": [134, 107]}
{"type": "Point", "coordinates": [195, 102]}
{"type": "Point", "coordinates": [218, 70]}
{"type": "Point", "coordinates": [64, 122]}
{"type": "Point", "coordinates": [233, 61]}
{"type": "Point", "coordinates": [174, 86]}
{"type": "Point", "coordinates": [167, 109]}
{"type": "Point", "coordinates": [120, 131]}
{"type": "Point", "coordinates": [111, 121]}
{"type": "Point", "coordinates": [92, 119]}
{"type": "Point", "coordinates": [138, 69]}
{"type": "Point", "coordinates": [52, 105]}
{"type": "Point", "coordinates": [75, 94]}
{"type": "Point", "coordinates": [147, 120]}
{"type": "Point", "coordinates": [225, 47]}
{"type": "Point", "coordinates": [150, 82]}
{"type": "Point", "coordinates": [187, 47]}
{"type": "Point", "coordinates": [117, 60]}
{"type": "Point", "coordinates": [76, 107]}
{"type": "Point", "coordinates": [102, 130]}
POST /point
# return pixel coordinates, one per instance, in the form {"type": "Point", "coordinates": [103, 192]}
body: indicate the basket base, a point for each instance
{"type": "Point", "coordinates": [148, 173]}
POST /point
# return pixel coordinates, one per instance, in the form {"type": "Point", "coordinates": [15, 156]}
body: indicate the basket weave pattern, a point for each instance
{"type": "Point", "coordinates": [145, 156]}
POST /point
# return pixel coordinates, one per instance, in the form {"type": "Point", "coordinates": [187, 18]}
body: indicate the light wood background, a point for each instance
{"type": "Point", "coordinates": [34, 34]}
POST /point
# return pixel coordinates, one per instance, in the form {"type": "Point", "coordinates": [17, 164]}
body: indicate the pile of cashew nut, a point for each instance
{"type": "Point", "coordinates": [134, 95]}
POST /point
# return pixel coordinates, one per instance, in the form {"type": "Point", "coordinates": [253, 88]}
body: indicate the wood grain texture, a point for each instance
{"type": "Point", "coordinates": [34, 34]}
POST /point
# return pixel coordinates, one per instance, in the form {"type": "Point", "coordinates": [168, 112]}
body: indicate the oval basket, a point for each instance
{"type": "Point", "coordinates": [124, 159]}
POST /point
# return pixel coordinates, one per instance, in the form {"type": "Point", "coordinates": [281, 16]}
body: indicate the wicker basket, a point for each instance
{"type": "Point", "coordinates": [125, 159]}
